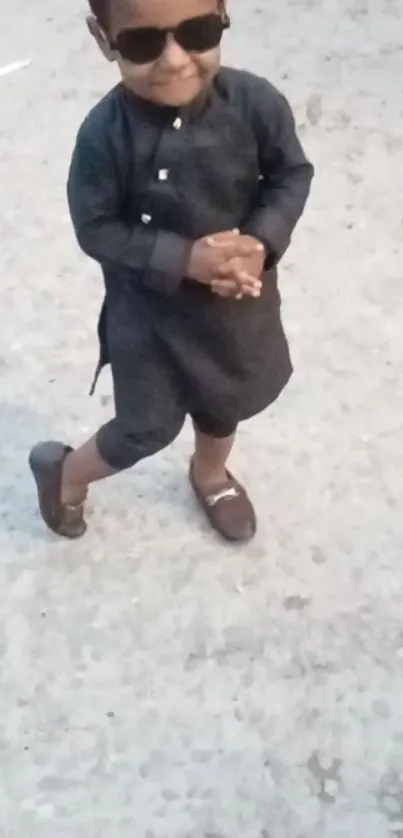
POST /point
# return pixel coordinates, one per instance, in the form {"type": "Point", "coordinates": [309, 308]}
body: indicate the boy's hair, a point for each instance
{"type": "Point", "coordinates": [99, 9]}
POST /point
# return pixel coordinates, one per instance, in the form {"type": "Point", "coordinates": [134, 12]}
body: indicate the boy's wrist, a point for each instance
{"type": "Point", "coordinates": [196, 270]}
{"type": "Point", "coordinates": [169, 261]}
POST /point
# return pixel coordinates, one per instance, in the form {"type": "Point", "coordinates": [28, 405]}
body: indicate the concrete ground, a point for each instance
{"type": "Point", "coordinates": [155, 683]}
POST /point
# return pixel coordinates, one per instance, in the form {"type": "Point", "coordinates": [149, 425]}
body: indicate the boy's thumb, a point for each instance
{"type": "Point", "coordinates": [222, 239]}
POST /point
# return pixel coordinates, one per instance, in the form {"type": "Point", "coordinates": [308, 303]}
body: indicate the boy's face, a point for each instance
{"type": "Point", "coordinates": [177, 76]}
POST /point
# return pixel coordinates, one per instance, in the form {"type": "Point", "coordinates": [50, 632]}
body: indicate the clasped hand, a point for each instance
{"type": "Point", "coordinates": [230, 263]}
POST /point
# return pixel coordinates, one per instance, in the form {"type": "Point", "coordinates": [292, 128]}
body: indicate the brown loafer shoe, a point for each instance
{"type": "Point", "coordinates": [46, 463]}
{"type": "Point", "coordinates": [229, 510]}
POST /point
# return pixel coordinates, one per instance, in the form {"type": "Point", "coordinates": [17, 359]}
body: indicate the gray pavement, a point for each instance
{"type": "Point", "coordinates": [153, 682]}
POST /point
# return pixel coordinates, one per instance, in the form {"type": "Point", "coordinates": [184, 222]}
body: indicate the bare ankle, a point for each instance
{"type": "Point", "coordinates": [73, 495]}
{"type": "Point", "coordinates": [73, 492]}
{"type": "Point", "coordinates": [207, 476]}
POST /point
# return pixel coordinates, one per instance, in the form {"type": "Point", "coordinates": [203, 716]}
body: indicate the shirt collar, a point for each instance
{"type": "Point", "coordinates": [158, 114]}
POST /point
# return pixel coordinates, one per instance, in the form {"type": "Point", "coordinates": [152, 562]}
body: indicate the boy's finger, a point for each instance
{"type": "Point", "coordinates": [241, 279]}
{"type": "Point", "coordinates": [237, 239]}
{"type": "Point", "coordinates": [227, 234]}
{"type": "Point", "coordinates": [250, 285]}
{"type": "Point", "coordinates": [220, 238]}
{"type": "Point", "coordinates": [247, 279]}
{"type": "Point", "coordinates": [225, 287]}
{"type": "Point", "coordinates": [247, 248]}
{"type": "Point", "coordinates": [229, 269]}
{"type": "Point", "coordinates": [233, 270]}
{"type": "Point", "coordinates": [238, 247]}
{"type": "Point", "coordinates": [225, 243]}
{"type": "Point", "coordinates": [226, 293]}
{"type": "Point", "coordinates": [244, 279]}
{"type": "Point", "coordinates": [230, 289]}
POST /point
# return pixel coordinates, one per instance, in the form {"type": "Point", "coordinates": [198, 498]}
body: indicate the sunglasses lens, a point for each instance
{"type": "Point", "coordinates": [200, 34]}
{"type": "Point", "coordinates": [141, 46]}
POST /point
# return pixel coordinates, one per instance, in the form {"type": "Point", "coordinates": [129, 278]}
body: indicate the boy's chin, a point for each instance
{"type": "Point", "coordinates": [172, 96]}
{"type": "Point", "coordinates": [175, 99]}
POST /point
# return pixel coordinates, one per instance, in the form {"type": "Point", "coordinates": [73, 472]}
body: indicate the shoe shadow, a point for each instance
{"type": "Point", "coordinates": [155, 495]}
{"type": "Point", "coordinates": [20, 428]}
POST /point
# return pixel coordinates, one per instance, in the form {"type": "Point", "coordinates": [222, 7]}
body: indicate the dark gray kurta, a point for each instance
{"type": "Point", "coordinates": [146, 182]}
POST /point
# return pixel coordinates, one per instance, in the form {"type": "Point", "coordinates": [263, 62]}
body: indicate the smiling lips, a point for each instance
{"type": "Point", "coordinates": [171, 80]}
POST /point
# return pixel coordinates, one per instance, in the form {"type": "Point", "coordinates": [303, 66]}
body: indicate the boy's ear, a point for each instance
{"type": "Point", "coordinates": [101, 38]}
{"type": "Point", "coordinates": [224, 13]}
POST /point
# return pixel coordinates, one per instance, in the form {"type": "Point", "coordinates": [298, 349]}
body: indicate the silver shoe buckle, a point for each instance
{"type": "Point", "coordinates": [225, 494]}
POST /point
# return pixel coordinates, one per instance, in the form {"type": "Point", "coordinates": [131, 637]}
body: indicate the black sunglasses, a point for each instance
{"type": "Point", "coordinates": [198, 34]}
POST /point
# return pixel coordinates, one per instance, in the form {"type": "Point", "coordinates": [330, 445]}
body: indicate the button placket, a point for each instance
{"type": "Point", "coordinates": [159, 198]}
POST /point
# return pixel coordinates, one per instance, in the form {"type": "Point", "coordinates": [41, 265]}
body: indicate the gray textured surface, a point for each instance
{"type": "Point", "coordinates": [155, 683]}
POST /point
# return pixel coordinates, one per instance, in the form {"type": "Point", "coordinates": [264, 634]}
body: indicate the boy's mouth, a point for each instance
{"type": "Point", "coordinates": [176, 84]}
{"type": "Point", "coordinates": [173, 81]}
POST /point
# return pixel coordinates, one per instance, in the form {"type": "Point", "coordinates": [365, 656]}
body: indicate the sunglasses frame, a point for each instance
{"type": "Point", "coordinates": [225, 22]}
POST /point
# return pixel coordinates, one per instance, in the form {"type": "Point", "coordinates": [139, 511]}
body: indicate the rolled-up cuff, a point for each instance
{"type": "Point", "coordinates": [168, 263]}
{"type": "Point", "coordinates": [272, 232]}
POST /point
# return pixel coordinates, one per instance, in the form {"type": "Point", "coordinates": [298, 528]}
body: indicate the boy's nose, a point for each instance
{"type": "Point", "coordinates": [174, 56]}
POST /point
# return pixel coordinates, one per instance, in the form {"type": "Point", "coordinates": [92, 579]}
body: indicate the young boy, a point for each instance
{"type": "Point", "coordinates": [186, 183]}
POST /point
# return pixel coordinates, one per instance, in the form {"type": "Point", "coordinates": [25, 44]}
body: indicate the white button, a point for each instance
{"type": "Point", "coordinates": [178, 123]}
{"type": "Point", "coordinates": [163, 174]}
{"type": "Point", "coordinates": [146, 218]}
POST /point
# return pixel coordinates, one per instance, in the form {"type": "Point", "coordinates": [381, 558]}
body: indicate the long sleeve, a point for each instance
{"type": "Point", "coordinates": [285, 171]}
{"type": "Point", "coordinates": [159, 257]}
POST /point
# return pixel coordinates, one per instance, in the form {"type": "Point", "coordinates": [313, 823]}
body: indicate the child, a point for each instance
{"type": "Point", "coordinates": [186, 183]}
